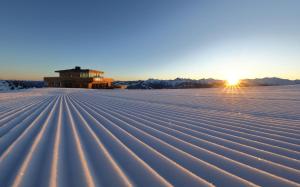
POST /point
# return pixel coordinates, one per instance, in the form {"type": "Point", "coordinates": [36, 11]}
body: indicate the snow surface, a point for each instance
{"type": "Point", "coordinates": [191, 137]}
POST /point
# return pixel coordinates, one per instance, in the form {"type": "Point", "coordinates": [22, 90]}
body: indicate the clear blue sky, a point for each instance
{"type": "Point", "coordinates": [141, 39]}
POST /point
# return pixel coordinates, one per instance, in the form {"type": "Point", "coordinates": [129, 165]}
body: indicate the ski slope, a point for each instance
{"type": "Point", "coordinates": [191, 137]}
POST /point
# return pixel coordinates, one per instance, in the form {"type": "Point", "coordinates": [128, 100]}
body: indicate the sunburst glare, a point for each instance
{"type": "Point", "coordinates": [232, 81]}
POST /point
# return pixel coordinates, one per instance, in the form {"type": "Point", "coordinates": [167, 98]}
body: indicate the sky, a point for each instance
{"type": "Point", "coordinates": [141, 39]}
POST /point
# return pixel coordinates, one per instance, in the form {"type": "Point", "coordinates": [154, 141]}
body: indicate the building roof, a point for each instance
{"type": "Point", "coordinates": [78, 69]}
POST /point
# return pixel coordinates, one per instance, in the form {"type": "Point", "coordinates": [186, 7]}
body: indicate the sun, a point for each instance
{"type": "Point", "coordinates": [232, 76]}
{"type": "Point", "coordinates": [232, 81]}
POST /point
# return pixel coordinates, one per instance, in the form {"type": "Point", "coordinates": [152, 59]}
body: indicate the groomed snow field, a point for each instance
{"type": "Point", "coordinates": [188, 137]}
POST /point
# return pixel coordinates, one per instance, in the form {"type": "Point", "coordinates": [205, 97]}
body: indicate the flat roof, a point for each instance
{"type": "Point", "coordinates": [78, 69]}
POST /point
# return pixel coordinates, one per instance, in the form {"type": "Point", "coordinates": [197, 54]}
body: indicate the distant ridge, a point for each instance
{"type": "Point", "coordinates": [179, 83]}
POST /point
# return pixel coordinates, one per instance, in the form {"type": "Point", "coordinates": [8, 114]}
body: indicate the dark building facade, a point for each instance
{"type": "Point", "coordinates": [79, 78]}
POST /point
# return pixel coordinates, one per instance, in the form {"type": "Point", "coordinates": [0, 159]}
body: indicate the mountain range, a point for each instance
{"type": "Point", "coordinates": [178, 83]}
{"type": "Point", "coordinates": [201, 83]}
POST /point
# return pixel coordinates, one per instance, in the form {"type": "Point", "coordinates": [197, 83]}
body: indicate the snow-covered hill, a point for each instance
{"type": "Point", "coordinates": [269, 82]}
{"type": "Point", "coordinates": [184, 137]}
{"type": "Point", "coordinates": [4, 86]}
{"type": "Point", "coordinates": [7, 85]}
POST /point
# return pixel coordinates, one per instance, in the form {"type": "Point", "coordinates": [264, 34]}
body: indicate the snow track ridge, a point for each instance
{"type": "Point", "coordinates": [206, 137]}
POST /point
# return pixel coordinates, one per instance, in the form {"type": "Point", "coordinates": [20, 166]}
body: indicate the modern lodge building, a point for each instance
{"type": "Point", "coordinates": [79, 78]}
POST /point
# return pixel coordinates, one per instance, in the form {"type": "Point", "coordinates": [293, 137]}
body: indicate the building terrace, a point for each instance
{"type": "Point", "coordinates": [79, 78]}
